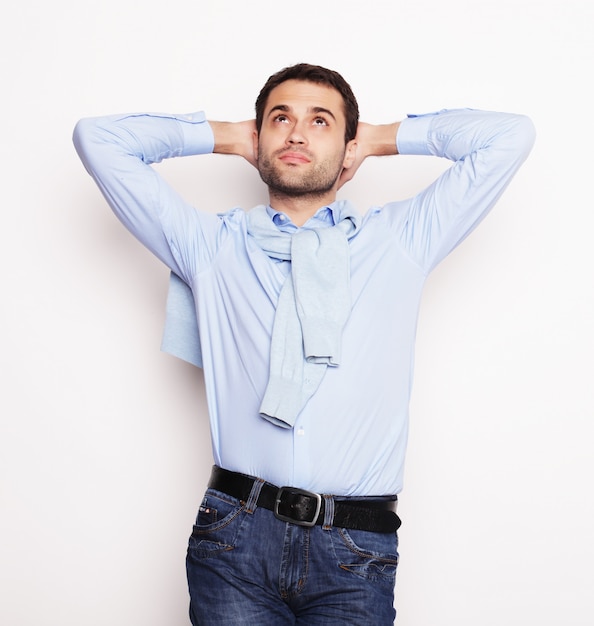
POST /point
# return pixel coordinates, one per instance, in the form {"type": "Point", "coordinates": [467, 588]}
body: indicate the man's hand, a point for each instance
{"type": "Point", "coordinates": [371, 140]}
{"type": "Point", "coordinates": [235, 138]}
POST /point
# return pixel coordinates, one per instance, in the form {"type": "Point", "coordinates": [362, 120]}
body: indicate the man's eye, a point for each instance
{"type": "Point", "coordinates": [320, 121]}
{"type": "Point", "coordinates": [281, 118]}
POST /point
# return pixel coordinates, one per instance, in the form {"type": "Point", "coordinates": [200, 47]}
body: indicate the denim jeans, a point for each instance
{"type": "Point", "coordinates": [247, 568]}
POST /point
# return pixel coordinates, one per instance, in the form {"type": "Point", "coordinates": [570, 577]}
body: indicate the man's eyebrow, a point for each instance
{"type": "Point", "coordinates": [323, 110]}
{"type": "Point", "coordinates": [286, 109]}
{"type": "Point", "coordinates": [279, 107]}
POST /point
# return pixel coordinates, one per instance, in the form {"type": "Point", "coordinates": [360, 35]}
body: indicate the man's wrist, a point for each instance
{"type": "Point", "coordinates": [224, 137]}
{"type": "Point", "coordinates": [234, 138]}
{"type": "Point", "coordinates": [380, 139]}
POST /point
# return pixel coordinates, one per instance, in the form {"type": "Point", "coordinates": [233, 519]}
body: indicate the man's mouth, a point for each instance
{"type": "Point", "coordinates": [293, 157]}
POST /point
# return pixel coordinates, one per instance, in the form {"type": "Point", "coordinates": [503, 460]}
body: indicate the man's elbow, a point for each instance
{"type": "Point", "coordinates": [80, 137]}
{"type": "Point", "coordinates": [525, 135]}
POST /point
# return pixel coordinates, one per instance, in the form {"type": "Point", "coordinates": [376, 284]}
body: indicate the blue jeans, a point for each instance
{"type": "Point", "coordinates": [247, 568]}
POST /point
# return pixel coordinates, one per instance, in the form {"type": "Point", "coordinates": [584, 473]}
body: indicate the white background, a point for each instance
{"type": "Point", "coordinates": [104, 446]}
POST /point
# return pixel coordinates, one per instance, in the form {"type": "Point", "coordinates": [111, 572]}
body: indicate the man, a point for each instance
{"type": "Point", "coordinates": [306, 317]}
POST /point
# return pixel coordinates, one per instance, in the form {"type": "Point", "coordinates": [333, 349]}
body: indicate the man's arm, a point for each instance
{"type": "Point", "coordinates": [118, 152]}
{"type": "Point", "coordinates": [487, 149]}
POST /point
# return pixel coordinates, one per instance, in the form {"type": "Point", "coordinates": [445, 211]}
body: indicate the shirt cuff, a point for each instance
{"type": "Point", "coordinates": [197, 134]}
{"type": "Point", "coordinates": [413, 134]}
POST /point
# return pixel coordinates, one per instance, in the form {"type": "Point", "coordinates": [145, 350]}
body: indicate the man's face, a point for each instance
{"type": "Point", "coordinates": [300, 148]}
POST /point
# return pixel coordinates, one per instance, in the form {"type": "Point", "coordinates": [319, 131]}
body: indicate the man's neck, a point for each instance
{"type": "Point", "coordinates": [300, 208]}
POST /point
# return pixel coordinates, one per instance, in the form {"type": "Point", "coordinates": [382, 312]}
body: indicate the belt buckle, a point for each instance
{"type": "Point", "coordinates": [293, 491]}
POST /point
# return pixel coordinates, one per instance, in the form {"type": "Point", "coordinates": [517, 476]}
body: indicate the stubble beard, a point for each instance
{"type": "Point", "coordinates": [316, 182]}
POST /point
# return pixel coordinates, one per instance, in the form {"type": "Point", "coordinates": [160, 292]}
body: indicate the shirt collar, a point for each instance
{"type": "Point", "coordinates": [328, 215]}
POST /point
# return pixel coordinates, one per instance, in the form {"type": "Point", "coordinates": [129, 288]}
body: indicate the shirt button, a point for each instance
{"type": "Point", "coordinates": [300, 432]}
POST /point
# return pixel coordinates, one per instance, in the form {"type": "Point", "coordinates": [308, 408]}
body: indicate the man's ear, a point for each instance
{"type": "Point", "coordinates": [255, 144]}
{"type": "Point", "coordinates": [350, 153]}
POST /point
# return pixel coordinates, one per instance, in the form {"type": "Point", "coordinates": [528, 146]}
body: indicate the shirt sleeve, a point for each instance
{"type": "Point", "coordinates": [487, 149]}
{"type": "Point", "coordinates": [118, 152]}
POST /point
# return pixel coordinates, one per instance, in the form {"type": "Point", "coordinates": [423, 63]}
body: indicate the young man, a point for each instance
{"type": "Point", "coordinates": [303, 316]}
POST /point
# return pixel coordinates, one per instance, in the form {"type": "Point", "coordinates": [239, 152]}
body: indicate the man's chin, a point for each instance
{"type": "Point", "coordinates": [298, 191]}
{"type": "Point", "coordinates": [296, 187]}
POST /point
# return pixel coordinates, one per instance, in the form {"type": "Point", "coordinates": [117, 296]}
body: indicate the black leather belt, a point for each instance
{"type": "Point", "coordinates": [306, 508]}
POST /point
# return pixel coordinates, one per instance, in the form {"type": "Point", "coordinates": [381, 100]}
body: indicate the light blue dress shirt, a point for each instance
{"type": "Point", "coordinates": [350, 438]}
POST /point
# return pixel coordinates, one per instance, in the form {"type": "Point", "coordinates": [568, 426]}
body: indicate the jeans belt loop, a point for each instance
{"type": "Point", "coordinates": [328, 512]}
{"type": "Point", "coordinates": [252, 502]}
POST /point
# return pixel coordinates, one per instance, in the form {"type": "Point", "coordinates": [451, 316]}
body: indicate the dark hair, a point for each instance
{"type": "Point", "coordinates": [321, 76]}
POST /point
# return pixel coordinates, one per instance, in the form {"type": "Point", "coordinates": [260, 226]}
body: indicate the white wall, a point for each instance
{"type": "Point", "coordinates": [104, 447]}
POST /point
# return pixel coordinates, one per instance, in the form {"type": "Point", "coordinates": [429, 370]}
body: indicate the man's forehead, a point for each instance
{"type": "Point", "coordinates": [313, 97]}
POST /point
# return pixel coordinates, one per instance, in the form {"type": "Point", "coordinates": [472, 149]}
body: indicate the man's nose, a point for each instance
{"type": "Point", "coordinates": [296, 135]}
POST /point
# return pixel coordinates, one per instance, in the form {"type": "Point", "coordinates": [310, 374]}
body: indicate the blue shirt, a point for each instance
{"type": "Point", "coordinates": [350, 438]}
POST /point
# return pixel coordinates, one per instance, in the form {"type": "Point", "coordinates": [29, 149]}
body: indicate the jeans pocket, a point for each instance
{"type": "Point", "coordinates": [370, 555]}
{"type": "Point", "coordinates": [217, 525]}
